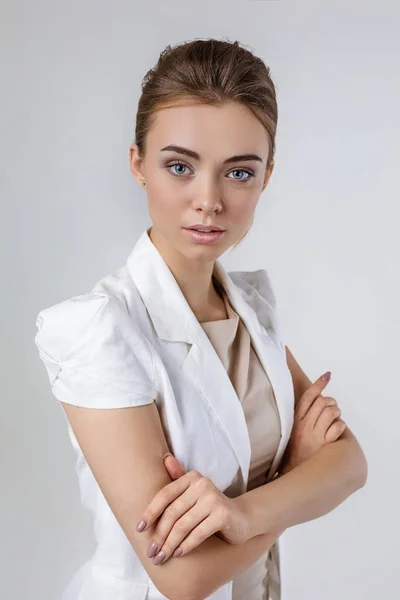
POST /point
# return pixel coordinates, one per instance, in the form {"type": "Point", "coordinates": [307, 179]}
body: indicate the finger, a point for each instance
{"type": "Point", "coordinates": [173, 514]}
{"type": "Point", "coordinates": [197, 527]}
{"type": "Point", "coordinates": [335, 431]}
{"type": "Point", "coordinates": [203, 531]}
{"type": "Point", "coordinates": [162, 499]}
{"type": "Point", "coordinates": [173, 467]}
{"type": "Point", "coordinates": [327, 417]}
{"type": "Point", "coordinates": [318, 408]}
{"type": "Point", "coordinates": [311, 394]}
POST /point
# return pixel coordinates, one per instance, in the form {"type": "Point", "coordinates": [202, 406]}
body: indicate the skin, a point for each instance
{"type": "Point", "coordinates": [115, 442]}
{"type": "Point", "coordinates": [205, 191]}
{"type": "Point", "coordinates": [316, 424]}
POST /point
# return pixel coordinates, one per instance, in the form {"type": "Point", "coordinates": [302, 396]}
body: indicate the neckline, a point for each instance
{"type": "Point", "coordinates": [231, 317]}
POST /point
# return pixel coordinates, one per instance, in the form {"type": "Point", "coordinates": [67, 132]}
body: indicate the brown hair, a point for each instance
{"type": "Point", "coordinates": [209, 71]}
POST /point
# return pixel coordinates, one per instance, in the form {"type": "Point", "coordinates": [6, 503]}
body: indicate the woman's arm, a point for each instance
{"type": "Point", "coordinates": [313, 488]}
{"type": "Point", "coordinates": [124, 449]}
{"type": "Point", "coordinates": [310, 490]}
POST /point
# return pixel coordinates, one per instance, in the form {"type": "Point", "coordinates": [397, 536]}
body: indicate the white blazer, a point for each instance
{"type": "Point", "coordinates": [133, 339]}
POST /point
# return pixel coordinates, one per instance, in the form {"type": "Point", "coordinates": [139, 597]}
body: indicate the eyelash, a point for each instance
{"type": "Point", "coordinates": [250, 173]}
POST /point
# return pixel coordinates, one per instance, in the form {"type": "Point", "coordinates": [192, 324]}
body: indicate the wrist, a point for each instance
{"type": "Point", "coordinates": [253, 508]}
{"type": "Point", "coordinates": [244, 506]}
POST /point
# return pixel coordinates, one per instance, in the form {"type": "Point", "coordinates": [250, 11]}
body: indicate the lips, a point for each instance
{"type": "Point", "coordinates": [204, 228]}
{"type": "Point", "coordinates": [202, 237]}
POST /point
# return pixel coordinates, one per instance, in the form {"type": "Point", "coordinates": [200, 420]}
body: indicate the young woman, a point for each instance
{"type": "Point", "coordinates": [170, 353]}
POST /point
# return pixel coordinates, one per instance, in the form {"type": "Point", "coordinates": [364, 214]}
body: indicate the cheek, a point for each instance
{"type": "Point", "coordinates": [163, 200]}
{"type": "Point", "coordinates": [165, 209]}
{"type": "Point", "coordinates": [166, 206]}
{"type": "Point", "coordinates": [242, 211]}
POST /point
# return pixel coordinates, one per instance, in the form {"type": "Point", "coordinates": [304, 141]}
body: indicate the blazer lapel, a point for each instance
{"type": "Point", "coordinates": [173, 320]}
{"type": "Point", "coordinates": [273, 362]}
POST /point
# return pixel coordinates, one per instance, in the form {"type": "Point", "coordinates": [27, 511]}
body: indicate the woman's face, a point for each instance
{"type": "Point", "coordinates": [210, 187]}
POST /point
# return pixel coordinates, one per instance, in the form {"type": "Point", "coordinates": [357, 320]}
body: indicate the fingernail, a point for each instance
{"type": "Point", "coordinates": [167, 454]}
{"type": "Point", "coordinates": [177, 552]}
{"type": "Point", "coordinates": [152, 550]}
{"type": "Point", "coordinates": [141, 525]}
{"type": "Point", "coordinates": [326, 376]}
{"type": "Point", "coordinates": [159, 558]}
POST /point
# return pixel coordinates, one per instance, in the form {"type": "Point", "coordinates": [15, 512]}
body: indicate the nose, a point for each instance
{"type": "Point", "coordinates": [208, 197]}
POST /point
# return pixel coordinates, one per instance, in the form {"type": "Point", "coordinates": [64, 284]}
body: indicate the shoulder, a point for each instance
{"type": "Point", "coordinates": [94, 350]}
{"type": "Point", "coordinates": [60, 326]}
{"type": "Point", "coordinates": [258, 292]}
{"type": "Point", "coordinates": [104, 321]}
{"type": "Point", "coordinates": [103, 309]}
{"type": "Point", "coordinates": [258, 281]}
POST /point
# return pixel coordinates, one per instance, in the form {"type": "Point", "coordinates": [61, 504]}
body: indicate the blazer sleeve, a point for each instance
{"type": "Point", "coordinates": [94, 353]}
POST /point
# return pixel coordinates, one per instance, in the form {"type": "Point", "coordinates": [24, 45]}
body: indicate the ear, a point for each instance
{"type": "Point", "coordinates": [136, 163]}
{"type": "Point", "coordinates": [268, 173]}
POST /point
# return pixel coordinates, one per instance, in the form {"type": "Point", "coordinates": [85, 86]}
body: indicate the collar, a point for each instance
{"type": "Point", "coordinates": [174, 321]}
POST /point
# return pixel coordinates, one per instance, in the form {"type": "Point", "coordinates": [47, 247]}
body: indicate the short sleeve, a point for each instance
{"type": "Point", "coordinates": [95, 354]}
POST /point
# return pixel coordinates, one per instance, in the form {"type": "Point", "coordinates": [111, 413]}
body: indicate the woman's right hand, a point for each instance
{"type": "Point", "coordinates": [316, 423]}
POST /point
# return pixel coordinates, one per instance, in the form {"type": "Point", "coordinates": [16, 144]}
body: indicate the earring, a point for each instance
{"type": "Point", "coordinates": [143, 183]}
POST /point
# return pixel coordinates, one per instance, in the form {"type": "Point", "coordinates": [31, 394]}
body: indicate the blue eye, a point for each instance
{"type": "Point", "coordinates": [177, 164]}
{"type": "Point", "coordinates": [180, 164]}
{"type": "Point", "coordinates": [249, 173]}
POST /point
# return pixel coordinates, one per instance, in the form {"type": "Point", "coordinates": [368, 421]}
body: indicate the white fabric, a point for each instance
{"type": "Point", "coordinates": [232, 343]}
{"type": "Point", "coordinates": [132, 340]}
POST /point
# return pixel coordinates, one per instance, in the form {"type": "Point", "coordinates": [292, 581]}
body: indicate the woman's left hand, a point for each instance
{"type": "Point", "coordinates": [192, 509]}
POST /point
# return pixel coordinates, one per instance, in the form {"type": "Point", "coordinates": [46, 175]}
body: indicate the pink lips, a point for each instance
{"type": "Point", "coordinates": [199, 226]}
{"type": "Point", "coordinates": [202, 237]}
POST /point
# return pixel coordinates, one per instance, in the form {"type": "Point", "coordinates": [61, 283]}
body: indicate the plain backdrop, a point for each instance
{"type": "Point", "coordinates": [326, 228]}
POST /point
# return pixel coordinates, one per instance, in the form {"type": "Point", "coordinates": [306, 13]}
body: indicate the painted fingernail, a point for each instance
{"type": "Point", "coordinates": [159, 557]}
{"type": "Point", "coordinates": [141, 526]}
{"type": "Point", "coordinates": [177, 552]}
{"type": "Point", "coordinates": [152, 550]}
{"type": "Point", "coordinates": [326, 376]}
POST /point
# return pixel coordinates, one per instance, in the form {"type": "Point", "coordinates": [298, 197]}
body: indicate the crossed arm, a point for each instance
{"type": "Point", "coordinates": [311, 490]}
{"type": "Point", "coordinates": [113, 440]}
{"type": "Point", "coordinates": [316, 486]}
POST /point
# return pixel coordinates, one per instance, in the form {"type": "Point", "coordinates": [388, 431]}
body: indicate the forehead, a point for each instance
{"type": "Point", "coordinates": [203, 127]}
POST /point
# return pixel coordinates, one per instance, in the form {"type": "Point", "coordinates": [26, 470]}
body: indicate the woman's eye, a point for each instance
{"type": "Point", "coordinates": [177, 164]}
{"type": "Point", "coordinates": [181, 166]}
{"type": "Point", "coordinates": [249, 173]}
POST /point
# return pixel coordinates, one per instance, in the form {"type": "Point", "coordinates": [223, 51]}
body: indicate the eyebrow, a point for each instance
{"type": "Point", "coordinates": [196, 156]}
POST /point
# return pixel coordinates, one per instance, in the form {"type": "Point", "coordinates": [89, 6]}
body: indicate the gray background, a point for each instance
{"type": "Point", "coordinates": [326, 228]}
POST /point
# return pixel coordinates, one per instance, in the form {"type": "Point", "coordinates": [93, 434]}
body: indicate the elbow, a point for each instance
{"type": "Point", "coordinates": [355, 460]}
{"type": "Point", "coordinates": [184, 595]}
{"type": "Point", "coordinates": [202, 590]}
{"type": "Point", "coordinates": [181, 590]}
{"type": "Point", "coordinates": [192, 596]}
{"type": "Point", "coordinates": [361, 473]}
{"type": "Point", "coordinates": [189, 591]}
{"type": "Point", "coordinates": [364, 472]}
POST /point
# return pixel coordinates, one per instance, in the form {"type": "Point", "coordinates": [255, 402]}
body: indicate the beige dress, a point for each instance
{"type": "Point", "coordinates": [232, 343]}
